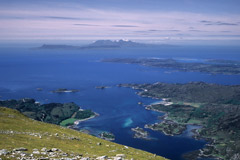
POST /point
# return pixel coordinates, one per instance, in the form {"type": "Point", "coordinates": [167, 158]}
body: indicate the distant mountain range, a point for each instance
{"type": "Point", "coordinates": [103, 44]}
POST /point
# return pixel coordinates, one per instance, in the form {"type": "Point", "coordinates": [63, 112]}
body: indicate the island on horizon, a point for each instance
{"type": "Point", "coordinates": [103, 44]}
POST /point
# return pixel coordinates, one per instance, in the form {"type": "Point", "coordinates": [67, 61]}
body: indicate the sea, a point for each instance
{"type": "Point", "coordinates": [23, 70]}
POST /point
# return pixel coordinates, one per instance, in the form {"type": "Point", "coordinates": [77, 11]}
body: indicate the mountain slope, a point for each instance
{"type": "Point", "coordinates": [16, 130]}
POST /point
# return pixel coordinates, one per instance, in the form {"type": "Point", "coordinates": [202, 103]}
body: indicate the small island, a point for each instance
{"type": "Point", "coordinates": [39, 89]}
{"type": "Point", "coordinates": [107, 136]}
{"type": "Point", "coordinates": [101, 87]}
{"type": "Point", "coordinates": [140, 133]}
{"type": "Point", "coordinates": [64, 90]}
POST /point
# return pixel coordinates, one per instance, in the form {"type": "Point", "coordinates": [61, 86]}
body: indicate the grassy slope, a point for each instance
{"type": "Point", "coordinates": [69, 121]}
{"type": "Point", "coordinates": [12, 120]}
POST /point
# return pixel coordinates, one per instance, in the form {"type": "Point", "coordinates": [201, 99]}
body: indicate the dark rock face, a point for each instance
{"type": "Point", "coordinates": [20, 149]}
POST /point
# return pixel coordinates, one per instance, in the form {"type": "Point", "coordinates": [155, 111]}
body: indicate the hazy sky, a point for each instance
{"type": "Point", "coordinates": [157, 21]}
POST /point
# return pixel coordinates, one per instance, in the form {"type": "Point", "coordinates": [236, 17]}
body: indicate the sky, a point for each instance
{"type": "Point", "coordinates": [150, 21]}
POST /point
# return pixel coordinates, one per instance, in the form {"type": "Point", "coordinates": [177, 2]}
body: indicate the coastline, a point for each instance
{"type": "Point", "coordinates": [82, 120]}
{"type": "Point", "coordinates": [196, 135]}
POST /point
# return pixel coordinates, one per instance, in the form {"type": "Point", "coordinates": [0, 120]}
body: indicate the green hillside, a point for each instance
{"type": "Point", "coordinates": [43, 140]}
{"type": "Point", "coordinates": [54, 113]}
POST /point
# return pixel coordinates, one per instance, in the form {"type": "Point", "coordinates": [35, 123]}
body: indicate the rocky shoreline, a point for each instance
{"type": "Point", "coordinates": [82, 120]}
{"type": "Point", "coordinates": [204, 111]}
{"type": "Point", "coordinates": [168, 127]}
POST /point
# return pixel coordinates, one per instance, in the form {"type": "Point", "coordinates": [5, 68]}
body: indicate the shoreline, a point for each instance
{"type": "Point", "coordinates": [82, 120]}
{"type": "Point", "coordinates": [196, 135]}
{"type": "Point", "coordinates": [164, 119]}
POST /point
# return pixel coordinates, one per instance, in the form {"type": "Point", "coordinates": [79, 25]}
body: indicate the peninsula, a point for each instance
{"type": "Point", "coordinates": [57, 113]}
{"type": "Point", "coordinates": [226, 67]}
{"type": "Point", "coordinates": [214, 107]}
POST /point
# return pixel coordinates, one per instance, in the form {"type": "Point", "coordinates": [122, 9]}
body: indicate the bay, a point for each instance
{"type": "Point", "coordinates": [24, 70]}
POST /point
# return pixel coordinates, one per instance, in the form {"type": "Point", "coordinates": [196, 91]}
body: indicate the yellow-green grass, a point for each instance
{"type": "Point", "coordinates": [68, 121]}
{"type": "Point", "coordinates": [188, 103]}
{"type": "Point", "coordinates": [12, 120]}
{"type": "Point", "coordinates": [194, 121]}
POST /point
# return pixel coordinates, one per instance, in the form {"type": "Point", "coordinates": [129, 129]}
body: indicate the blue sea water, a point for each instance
{"type": "Point", "coordinates": [24, 70]}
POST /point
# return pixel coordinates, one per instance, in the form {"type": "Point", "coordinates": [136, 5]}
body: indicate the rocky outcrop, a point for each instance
{"type": "Point", "coordinates": [52, 153]}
